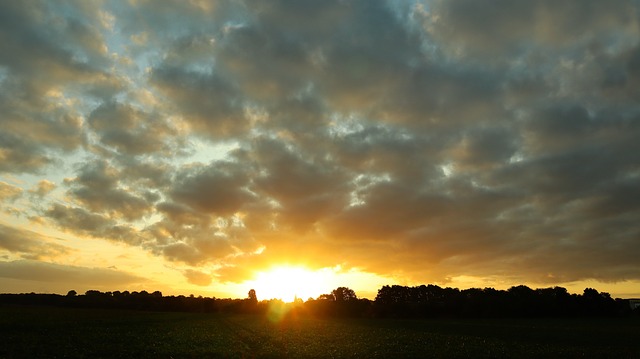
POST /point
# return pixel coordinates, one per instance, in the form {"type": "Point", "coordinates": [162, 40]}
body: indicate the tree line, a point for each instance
{"type": "Point", "coordinates": [517, 301]}
{"type": "Point", "coordinates": [395, 301]}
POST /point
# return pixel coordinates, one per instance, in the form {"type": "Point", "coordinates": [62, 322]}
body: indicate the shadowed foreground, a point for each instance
{"type": "Point", "coordinates": [33, 331]}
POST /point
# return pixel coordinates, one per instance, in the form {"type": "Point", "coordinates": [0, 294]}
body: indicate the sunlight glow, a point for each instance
{"type": "Point", "coordinates": [288, 283]}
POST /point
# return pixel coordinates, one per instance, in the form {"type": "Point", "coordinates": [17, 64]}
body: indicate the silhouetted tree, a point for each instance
{"type": "Point", "coordinates": [251, 302]}
{"type": "Point", "coordinates": [92, 293]}
{"type": "Point", "coordinates": [341, 302]}
{"type": "Point", "coordinates": [344, 294]}
{"type": "Point", "coordinates": [523, 300]}
{"type": "Point", "coordinates": [595, 303]}
{"type": "Point", "coordinates": [392, 294]}
{"type": "Point", "coordinates": [252, 296]}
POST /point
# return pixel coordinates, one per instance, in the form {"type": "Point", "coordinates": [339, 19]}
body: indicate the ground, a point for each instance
{"type": "Point", "coordinates": [30, 332]}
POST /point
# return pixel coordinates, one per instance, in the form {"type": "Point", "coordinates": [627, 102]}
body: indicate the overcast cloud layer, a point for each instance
{"type": "Point", "coordinates": [425, 139]}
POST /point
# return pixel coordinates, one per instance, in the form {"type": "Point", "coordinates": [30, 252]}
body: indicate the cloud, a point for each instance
{"type": "Point", "coordinates": [43, 57]}
{"type": "Point", "coordinates": [74, 276]}
{"type": "Point", "coordinates": [388, 160]}
{"type": "Point", "coordinates": [9, 192]}
{"type": "Point", "coordinates": [208, 102]}
{"type": "Point", "coordinates": [219, 188]}
{"type": "Point", "coordinates": [197, 277]}
{"type": "Point", "coordinates": [510, 27]}
{"type": "Point", "coordinates": [28, 244]}
{"type": "Point", "coordinates": [97, 187]}
{"type": "Point", "coordinates": [32, 134]}
{"type": "Point", "coordinates": [131, 131]}
{"type": "Point", "coordinates": [196, 238]}
{"type": "Point", "coordinates": [80, 221]}
{"type": "Point", "coordinates": [304, 188]}
{"type": "Point", "coordinates": [43, 188]}
{"type": "Point", "coordinates": [426, 140]}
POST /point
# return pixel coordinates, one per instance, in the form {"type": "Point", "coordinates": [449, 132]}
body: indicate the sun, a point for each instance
{"type": "Point", "coordinates": [288, 283]}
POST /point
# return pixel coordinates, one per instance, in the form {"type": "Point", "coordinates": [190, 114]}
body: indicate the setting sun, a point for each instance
{"type": "Point", "coordinates": [288, 283]}
{"type": "Point", "coordinates": [239, 146]}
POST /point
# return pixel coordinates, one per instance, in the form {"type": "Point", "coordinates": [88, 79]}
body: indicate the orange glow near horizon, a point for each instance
{"type": "Point", "coordinates": [288, 283]}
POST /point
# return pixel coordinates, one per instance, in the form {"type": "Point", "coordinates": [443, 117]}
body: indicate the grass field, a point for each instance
{"type": "Point", "coordinates": [49, 332]}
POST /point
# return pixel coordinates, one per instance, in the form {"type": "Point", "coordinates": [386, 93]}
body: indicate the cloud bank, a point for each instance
{"type": "Point", "coordinates": [424, 139]}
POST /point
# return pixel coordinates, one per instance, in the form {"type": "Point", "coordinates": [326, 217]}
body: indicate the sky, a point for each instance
{"type": "Point", "coordinates": [209, 147]}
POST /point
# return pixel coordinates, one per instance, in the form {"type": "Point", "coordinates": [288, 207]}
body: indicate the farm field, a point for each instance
{"type": "Point", "coordinates": [51, 332]}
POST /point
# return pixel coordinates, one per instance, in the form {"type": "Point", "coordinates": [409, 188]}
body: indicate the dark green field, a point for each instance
{"type": "Point", "coordinates": [49, 332]}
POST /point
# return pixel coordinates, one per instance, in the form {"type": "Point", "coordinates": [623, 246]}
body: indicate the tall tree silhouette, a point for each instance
{"type": "Point", "coordinates": [252, 296]}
